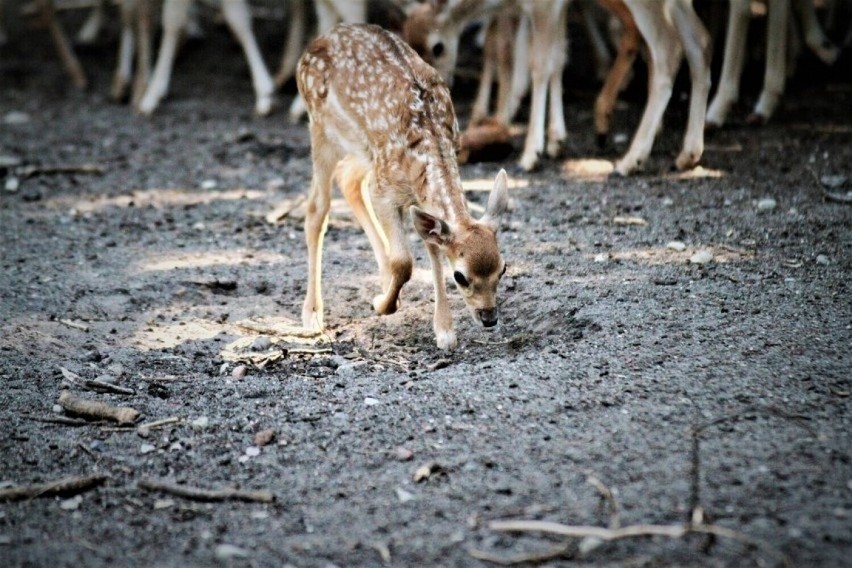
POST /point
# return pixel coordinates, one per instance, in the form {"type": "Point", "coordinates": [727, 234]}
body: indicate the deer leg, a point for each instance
{"type": "Point", "coordinates": [815, 37]}
{"type": "Point", "coordinates": [776, 54]}
{"type": "Point", "coordinates": [696, 46]}
{"type": "Point", "coordinates": [400, 261]}
{"type": "Point", "coordinates": [486, 78]}
{"type": "Point", "coordinates": [325, 158]}
{"type": "Point", "coordinates": [666, 52]}
{"type": "Point", "coordinates": [350, 176]}
{"type": "Point", "coordinates": [63, 46]}
{"type": "Point", "coordinates": [627, 48]}
{"type": "Point", "coordinates": [237, 15]}
{"type": "Point", "coordinates": [143, 57]}
{"type": "Point", "coordinates": [124, 71]}
{"type": "Point", "coordinates": [728, 90]}
{"type": "Point", "coordinates": [175, 13]}
{"type": "Point", "coordinates": [295, 43]}
{"type": "Point", "coordinates": [88, 33]}
{"type": "Point", "coordinates": [442, 322]}
{"type": "Point", "coordinates": [556, 132]}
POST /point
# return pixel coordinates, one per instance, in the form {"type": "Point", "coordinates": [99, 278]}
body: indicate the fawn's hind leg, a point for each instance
{"type": "Point", "coordinates": [350, 174]}
{"type": "Point", "coordinates": [325, 158]}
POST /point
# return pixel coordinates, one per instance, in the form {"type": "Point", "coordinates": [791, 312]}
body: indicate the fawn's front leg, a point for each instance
{"type": "Point", "coordinates": [442, 322]}
{"type": "Point", "coordinates": [400, 263]}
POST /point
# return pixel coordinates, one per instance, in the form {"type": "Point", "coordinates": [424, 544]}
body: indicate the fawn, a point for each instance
{"type": "Point", "coordinates": [380, 114]}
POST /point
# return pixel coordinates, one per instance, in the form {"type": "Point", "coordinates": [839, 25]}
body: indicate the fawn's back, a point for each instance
{"type": "Point", "coordinates": [375, 99]}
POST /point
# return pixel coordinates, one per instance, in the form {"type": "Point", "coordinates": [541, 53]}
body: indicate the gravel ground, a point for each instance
{"type": "Point", "coordinates": [723, 384]}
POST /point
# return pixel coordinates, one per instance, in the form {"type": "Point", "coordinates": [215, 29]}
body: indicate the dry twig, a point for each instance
{"type": "Point", "coordinates": [30, 171]}
{"type": "Point", "coordinates": [65, 486]}
{"type": "Point", "coordinates": [606, 493]}
{"type": "Point", "coordinates": [74, 324]}
{"type": "Point", "coordinates": [100, 386]}
{"type": "Point", "coordinates": [670, 531]}
{"type": "Point", "coordinates": [64, 420]}
{"type": "Point", "coordinates": [199, 494]}
{"type": "Point", "coordinates": [96, 409]}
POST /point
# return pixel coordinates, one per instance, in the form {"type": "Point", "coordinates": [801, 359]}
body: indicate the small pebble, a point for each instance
{"type": "Point", "coordinates": [58, 409]}
{"type": "Point", "coordinates": [239, 371]}
{"type": "Point", "coordinates": [228, 551]}
{"type": "Point", "coordinates": [163, 504]}
{"type": "Point", "coordinates": [676, 246]}
{"type": "Point", "coordinates": [71, 504]}
{"type": "Point", "coordinates": [176, 447]}
{"type": "Point", "coordinates": [7, 161]}
{"type": "Point", "coordinates": [766, 204]}
{"type": "Point", "coordinates": [602, 257]}
{"type": "Point", "coordinates": [620, 138]}
{"type": "Point", "coordinates": [261, 343]}
{"type": "Point", "coordinates": [108, 379]}
{"type": "Point", "coordinates": [370, 401]}
{"type": "Point", "coordinates": [701, 257]}
{"type": "Point", "coordinates": [832, 182]}
{"type": "Point", "coordinates": [146, 449]}
{"type": "Point", "coordinates": [209, 184]}
{"type": "Point", "coordinates": [403, 454]}
{"type": "Point", "coordinates": [668, 202]}
{"type": "Point", "coordinates": [12, 184]}
{"type": "Point", "coordinates": [823, 260]}
{"type": "Point", "coordinates": [264, 437]}
{"type": "Point", "coordinates": [252, 451]}
{"type": "Point", "coordinates": [403, 495]}
{"type": "Point", "coordinates": [350, 369]}
{"type": "Point", "coordinates": [16, 117]}
{"type": "Point", "coordinates": [200, 423]}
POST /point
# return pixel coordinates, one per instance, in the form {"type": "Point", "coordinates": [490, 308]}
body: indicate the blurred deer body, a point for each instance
{"type": "Point", "coordinates": [378, 111]}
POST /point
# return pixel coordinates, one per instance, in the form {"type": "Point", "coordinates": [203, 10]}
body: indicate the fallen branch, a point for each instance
{"type": "Point", "coordinates": [100, 386]}
{"type": "Point", "coordinates": [96, 409]}
{"type": "Point", "coordinates": [65, 486]}
{"type": "Point", "coordinates": [670, 531]}
{"type": "Point", "coordinates": [199, 494]}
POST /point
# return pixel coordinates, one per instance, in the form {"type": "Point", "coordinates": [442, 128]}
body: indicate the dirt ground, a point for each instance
{"type": "Point", "coordinates": [723, 385]}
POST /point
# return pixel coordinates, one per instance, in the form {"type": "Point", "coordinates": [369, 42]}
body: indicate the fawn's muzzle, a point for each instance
{"type": "Point", "coordinates": [488, 317]}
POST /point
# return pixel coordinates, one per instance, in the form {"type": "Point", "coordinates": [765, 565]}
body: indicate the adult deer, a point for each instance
{"type": "Point", "coordinates": [379, 112]}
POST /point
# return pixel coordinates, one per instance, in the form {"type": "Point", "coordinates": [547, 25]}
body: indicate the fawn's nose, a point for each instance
{"type": "Point", "coordinates": [488, 317]}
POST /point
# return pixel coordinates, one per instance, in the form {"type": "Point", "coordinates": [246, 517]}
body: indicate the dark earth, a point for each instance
{"type": "Point", "coordinates": [722, 386]}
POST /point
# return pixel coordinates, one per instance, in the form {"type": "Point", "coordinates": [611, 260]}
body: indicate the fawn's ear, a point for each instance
{"type": "Point", "coordinates": [498, 201]}
{"type": "Point", "coordinates": [430, 228]}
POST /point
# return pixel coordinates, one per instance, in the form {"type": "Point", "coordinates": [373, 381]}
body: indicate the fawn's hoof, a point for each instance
{"type": "Point", "coordinates": [385, 307]}
{"type": "Point", "coordinates": [446, 339]}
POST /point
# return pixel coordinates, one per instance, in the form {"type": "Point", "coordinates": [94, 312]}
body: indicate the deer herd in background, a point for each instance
{"type": "Point", "coordinates": [525, 51]}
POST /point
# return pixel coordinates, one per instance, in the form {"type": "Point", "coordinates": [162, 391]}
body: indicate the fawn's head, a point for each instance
{"type": "Point", "coordinates": [472, 251]}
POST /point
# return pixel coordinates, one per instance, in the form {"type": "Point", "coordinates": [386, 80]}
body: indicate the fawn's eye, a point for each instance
{"type": "Point", "coordinates": [438, 49]}
{"type": "Point", "coordinates": [460, 279]}
{"type": "Point", "coordinates": [505, 267]}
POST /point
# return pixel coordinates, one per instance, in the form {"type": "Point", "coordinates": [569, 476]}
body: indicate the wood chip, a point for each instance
{"type": "Point", "coordinates": [96, 409]}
